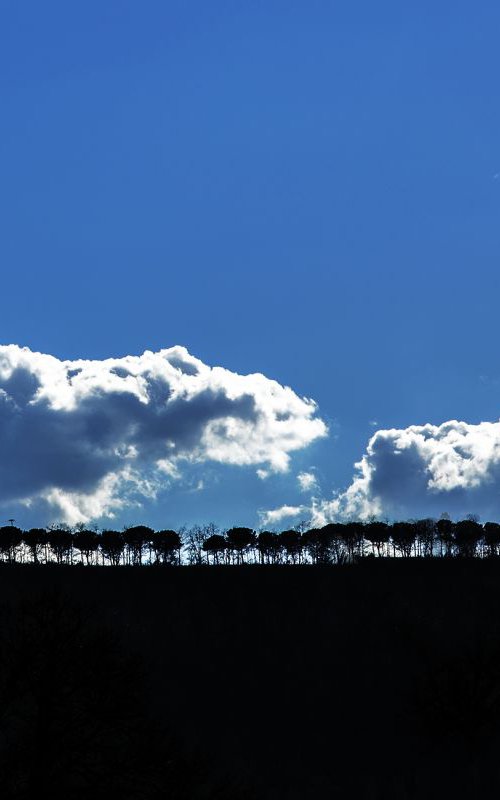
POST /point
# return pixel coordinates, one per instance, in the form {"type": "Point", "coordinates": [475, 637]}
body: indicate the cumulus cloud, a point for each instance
{"type": "Point", "coordinates": [276, 515]}
{"type": "Point", "coordinates": [423, 470]}
{"type": "Point", "coordinates": [88, 437]}
{"type": "Point", "coordinates": [307, 481]}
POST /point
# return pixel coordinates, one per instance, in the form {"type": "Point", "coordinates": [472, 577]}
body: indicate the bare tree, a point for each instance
{"type": "Point", "coordinates": [194, 539]}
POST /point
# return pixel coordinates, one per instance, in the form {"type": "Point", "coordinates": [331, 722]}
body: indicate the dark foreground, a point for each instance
{"type": "Point", "coordinates": [375, 681]}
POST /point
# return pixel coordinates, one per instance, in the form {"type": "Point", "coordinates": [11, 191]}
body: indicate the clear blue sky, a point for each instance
{"type": "Point", "coordinates": [310, 190]}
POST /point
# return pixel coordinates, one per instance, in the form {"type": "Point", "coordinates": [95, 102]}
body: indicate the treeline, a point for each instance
{"type": "Point", "coordinates": [335, 543]}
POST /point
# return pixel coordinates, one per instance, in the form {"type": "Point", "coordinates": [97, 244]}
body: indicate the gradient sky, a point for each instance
{"type": "Point", "coordinates": [307, 190]}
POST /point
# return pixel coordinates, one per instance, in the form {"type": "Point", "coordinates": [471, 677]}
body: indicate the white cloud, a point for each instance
{"type": "Point", "coordinates": [88, 437]}
{"type": "Point", "coordinates": [307, 481]}
{"type": "Point", "coordinates": [276, 515]}
{"type": "Point", "coordinates": [423, 470]}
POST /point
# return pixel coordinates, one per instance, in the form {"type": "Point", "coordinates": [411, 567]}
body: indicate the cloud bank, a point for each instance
{"type": "Point", "coordinates": [423, 470]}
{"type": "Point", "coordinates": [88, 437]}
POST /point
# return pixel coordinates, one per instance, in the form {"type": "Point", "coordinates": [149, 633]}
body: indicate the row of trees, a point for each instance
{"type": "Point", "coordinates": [334, 543]}
{"type": "Point", "coordinates": [134, 545]}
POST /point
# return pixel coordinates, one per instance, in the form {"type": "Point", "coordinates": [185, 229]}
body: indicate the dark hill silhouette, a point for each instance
{"type": "Point", "coordinates": [379, 680]}
{"type": "Point", "coordinates": [76, 717]}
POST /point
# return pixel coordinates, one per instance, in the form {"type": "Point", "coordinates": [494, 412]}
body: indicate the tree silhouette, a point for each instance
{"type": "Point", "coordinates": [331, 544]}
{"type": "Point", "coordinates": [112, 545]}
{"type": "Point", "coordinates": [378, 533]}
{"type": "Point", "coordinates": [10, 539]}
{"type": "Point", "coordinates": [403, 537]}
{"type": "Point", "coordinates": [87, 543]}
{"type": "Point", "coordinates": [311, 543]}
{"type": "Point", "coordinates": [240, 540]}
{"type": "Point", "coordinates": [268, 547]}
{"type": "Point", "coordinates": [61, 544]}
{"type": "Point", "coordinates": [194, 538]}
{"type": "Point", "coordinates": [334, 543]}
{"type": "Point", "coordinates": [215, 544]}
{"type": "Point", "coordinates": [35, 540]}
{"type": "Point", "coordinates": [445, 528]}
{"type": "Point", "coordinates": [166, 546]}
{"type": "Point", "coordinates": [491, 531]}
{"type": "Point", "coordinates": [352, 535]}
{"type": "Point", "coordinates": [136, 538]}
{"type": "Point", "coordinates": [425, 534]}
{"type": "Point", "coordinates": [290, 541]}
{"type": "Point", "coordinates": [467, 534]}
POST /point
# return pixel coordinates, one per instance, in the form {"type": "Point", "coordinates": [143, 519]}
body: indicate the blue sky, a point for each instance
{"type": "Point", "coordinates": [306, 190]}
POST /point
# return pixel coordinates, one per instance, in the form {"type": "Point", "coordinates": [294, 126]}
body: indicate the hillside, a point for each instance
{"type": "Point", "coordinates": [378, 680]}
